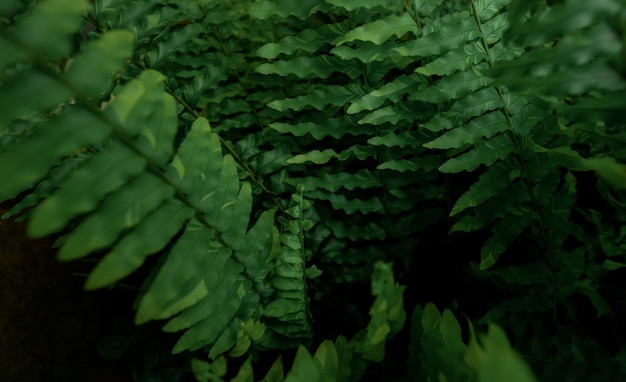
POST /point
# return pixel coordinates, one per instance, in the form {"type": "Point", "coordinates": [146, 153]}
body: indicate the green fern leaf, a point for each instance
{"type": "Point", "coordinates": [574, 81]}
{"type": "Point", "coordinates": [167, 49]}
{"type": "Point", "coordinates": [578, 49]}
{"type": "Point", "coordinates": [209, 329]}
{"type": "Point", "coordinates": [504, 232]}
{"type": "Point", "coordinates": [334, 182]}
{"type": "Point", "coordinates": [490, 183]}
{"type": "Point", "coordinates": [427, 8]}
{"type": "Point", "coordinates": [315, 156]}
{"type": "Point", "coordinates": [45, 31]}
{"type": "Point", "coordinates": [319, 66]}
{"type": "Point", "coordinates": [81, 75]}
{"type": "Point", "coordinates": [452, 87]}
{"type": "Point", "coordinates": [473, 105]}
{"type": "Point", "coordinates": [350, 206]}
{"type": "Point", "coordinates": [392, 114]}
{"type": "Point", "coordinates": [427, 163]}
{"type": "Point", "coordinates": [353, 232]}
{"type": "Point", "coordinates": [284, 8]}
{"type": "Point", "coordinates": [486, 9]}
{"type": "Point", "coordinates": [219, 277]}
{"type": "Point", "coordinates": [323, 365]}
{"type": "Point", "coordinates": [81, 193]}
{"type": "Point", "coordinates": [70, 132]}
{"type": "Point", "coordinates": [107, 54]}
{"type": "Point", "coordinates": [487, 153]}
{"type": "Point", "coordinates": [110, 169]}
{"type": "Point", "coordinates": [562, 18]}
{"type": "Point", "coordinates": [395, 140]}
{"type": "Point", "coordinates": [515, 195]}
{"type": "Point", "coordinates": [308, 40]}
{"type": "Point", "coordinates": [455, 60]}
{"type": "Point", "coordinates": [497, 361]}
{"type": "Point", "coordinates": [381, 30]}
{"type": "Point", "coordinates": [461, 29]}
{"type": "Point", "coordinates": [393, 91]}
{"type": "Point", "coordinates": [485, 126]}
{"type": "Point", "coordinates": [289, 310]}
{"type": "Point", "coordinates": [320, 98]}
{"type": "Point", "coordinates": [334, 127]}
{"type": "Point", "coordinates": [387, 314]}
{"type": "Point", "coordinates": [369, 4]}
{"type": "Point", "coordinates": [51, 93]}
{"type": "Point", "coordinates": [121, 211]}
{"type": "Point", "coordinates": [369, 53]}
{"type": "Point", "coordinates": [132, 250]}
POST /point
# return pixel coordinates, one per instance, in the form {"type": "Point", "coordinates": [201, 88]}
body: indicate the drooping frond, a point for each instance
{"type": "Point", "coordinates": [137, 193]}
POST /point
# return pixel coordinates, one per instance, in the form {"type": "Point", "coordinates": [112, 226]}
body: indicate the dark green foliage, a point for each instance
{"type": "Point", "coordinates": [274, 154]}
{"type": "Point", "coordinates": [182, 198]}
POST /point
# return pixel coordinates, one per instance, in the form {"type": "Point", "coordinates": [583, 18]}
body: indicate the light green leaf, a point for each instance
{"type": "Point", "coordinates": [122, 210]}
{"type": "Point", "coordinates": [284, 8]}
{"type": "Point", "coordinates": [472, 105]}
{"type": "Point", "coordinates": [315, 156]}
{"type": "Point", "coordinates": [146, 239]}
{"type": "Point", "coordinates": [82, 192]}
{"type": "Point", "coordinates": [455, 60]}
{"type": "Point", "coordinates": [320, 98]}
{"type": "Point", "coordinates": [393, 91]}
{"type": "Point", "coordinates": [47, 29]}
{"type": "Point", "coordinates": [380, 30]}
{"type": "Point", "coordinates": [221, 279]}
{"type": "Point", "coordinates": [92, 70]}
{"type": "Point", "coordinates": [461, 29]}
{"type": "Point", "coordinates": [455, 86]}
{"type": "Point", "coordinates": [211, 327]}
{"type": "Point", "coordinates": [500, 362]}
{"type": "Point", "coordinates": [334, 127]}
{"type": "Point", "coordinates": [63, 135]}
{"type": "Point", "coordinates": [333, 182]}
{"type": "Point", "coordinates": [319, 66]}
{"type": "Point", "coordinates": [308, 40]}
{"type": "Point", "coordinates": [487, 153]}
{"type": "Point", "coordinates": [485, 126]}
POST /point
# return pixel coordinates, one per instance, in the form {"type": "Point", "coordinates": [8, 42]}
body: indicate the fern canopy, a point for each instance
{"type": "Point", "coordinates": [255, 164]}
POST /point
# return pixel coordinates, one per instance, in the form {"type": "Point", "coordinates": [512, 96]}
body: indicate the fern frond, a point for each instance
{"type": "Point", "coordinates": [288, 312]}
{"type": "Point", "coordinates": [334, 127]}
{"type": "Point", "coordinates": [369, 4]}
{"type": "Point", "coordinates": [490, 183]}
{"type": "Point", "coordinates": [319, 66]}
{"type": "Point", "coordinates": [387, 314]}
{"type": "Point", "coordinates": [308, 40]}
{"type": "Point", "coordinates": [380, 31]}
{"type": "Point", "coordinates": [283, 8]}
{"type": "Point", "coordinates": [78, 80]}
{"type": "Point", "coordinates": [437, 350]}
{"type": "Point", "coordinates": [320, 98]}
{"type": "Point", "coordinates": [138, 184]}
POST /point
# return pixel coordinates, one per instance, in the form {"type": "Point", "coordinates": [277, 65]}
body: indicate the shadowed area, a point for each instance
{"type": "Point", "coordinates": [49, 326]}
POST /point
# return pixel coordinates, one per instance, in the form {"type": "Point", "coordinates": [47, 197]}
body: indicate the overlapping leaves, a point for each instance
{"type": "Point", "coordinates": [135, 196]}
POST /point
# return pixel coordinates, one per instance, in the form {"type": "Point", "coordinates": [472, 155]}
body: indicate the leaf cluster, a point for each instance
{"type": "Point", "coordinates": [261, 161]}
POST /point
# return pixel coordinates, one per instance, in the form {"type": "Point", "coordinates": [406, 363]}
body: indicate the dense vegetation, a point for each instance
{"type": "Point", "coordinates": [281, 158]}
